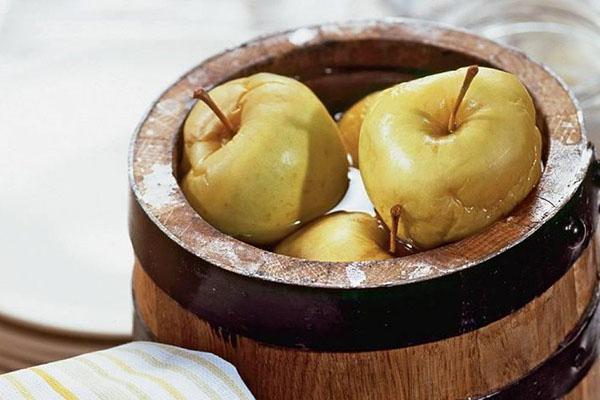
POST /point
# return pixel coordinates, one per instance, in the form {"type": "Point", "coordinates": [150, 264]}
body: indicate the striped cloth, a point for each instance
{"type": "Point", "coordinates": [138, 370]}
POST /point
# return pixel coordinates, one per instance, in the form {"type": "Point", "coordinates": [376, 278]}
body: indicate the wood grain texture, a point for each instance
{"type": "Point", "coordinates": [472, 364]}
{"type": "Point", "coordinates": [23, 344]}
{"type": "Point", "coordinates": [589, 387]}
{"type": "Point", "coordinates": [409, 47]}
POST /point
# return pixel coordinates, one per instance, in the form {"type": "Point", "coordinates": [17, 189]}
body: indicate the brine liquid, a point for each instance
{"type": "Point", "coordinates": [356, 198]}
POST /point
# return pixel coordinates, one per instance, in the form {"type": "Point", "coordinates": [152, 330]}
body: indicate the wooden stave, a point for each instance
{"type": "Point", "coordinates": [582, 383]}
{"type": "Point", "coordinates": [170, 323]}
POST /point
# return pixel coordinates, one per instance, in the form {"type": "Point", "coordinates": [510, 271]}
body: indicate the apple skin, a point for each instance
{"type": "Point", "coordinates": [450, 185]}
{"type": "Point", "coordinates": [350, 125]}
{"type": "Point", "coordinates": [339, 236]}
{"type": "Point", "coordinates": [284, 166]}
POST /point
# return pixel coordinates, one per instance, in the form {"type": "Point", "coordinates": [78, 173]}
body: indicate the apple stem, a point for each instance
{"type": "Point", "coordinates": [471, 72]}
{"type": "Point", "coordinates": [395, 212]}
{"type": "Point", "coordinates": [203, 95]}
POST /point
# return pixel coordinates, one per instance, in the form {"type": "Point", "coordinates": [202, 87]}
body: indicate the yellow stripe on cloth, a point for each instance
{"type": "Point", "coordinates": [165, 385]}
{"type": "Point", "coordinates": [207, 390]}
{"type": "Point", "coordinates": [137, 392]}
{"type": "Point", "coordinates": [23, 391]}
{"type": "Point", "coordinates": [211, 367]}
{"type": "Point", "coordinates": [133, 371]}
{"type": "Point", "coordinates": [54, 384]}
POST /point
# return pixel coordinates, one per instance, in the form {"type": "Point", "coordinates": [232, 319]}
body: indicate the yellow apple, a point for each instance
{"type": "Point", "coordinates": [350, 125]}
{"type": "Point", "coordinates": [266, 159]}
{"type": "Point", "coordinates": [454, 158]}
{"type": "Point", "coordinates": [339, 236]}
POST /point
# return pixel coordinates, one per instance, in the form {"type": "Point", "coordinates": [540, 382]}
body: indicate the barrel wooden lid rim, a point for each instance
{"type": "Point", "coordinates": [156, 189]}
{"type": "Point", "coordinates": [400, 302]}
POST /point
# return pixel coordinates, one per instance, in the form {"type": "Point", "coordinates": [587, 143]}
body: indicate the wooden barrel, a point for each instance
{"type": "Point", "coordinates": [509, 313]}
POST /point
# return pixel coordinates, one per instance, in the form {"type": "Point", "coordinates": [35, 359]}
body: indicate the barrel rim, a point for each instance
{"type": "Point", "coordinates": [156, 190]}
